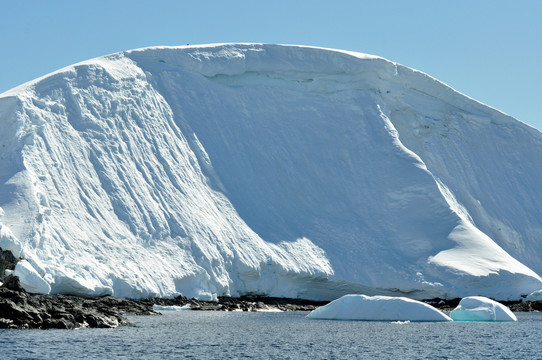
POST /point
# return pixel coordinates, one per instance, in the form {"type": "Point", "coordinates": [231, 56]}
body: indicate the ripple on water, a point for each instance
{"type": "Point", "coordinates": [215, 335]}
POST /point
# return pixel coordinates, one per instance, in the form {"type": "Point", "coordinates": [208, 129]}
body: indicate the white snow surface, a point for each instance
{"type": "Point", "coordinates": [30, 279]}
{"type": "Point", "coordinates": [266, 169]}
{"type": "Point", "coordinates": [479, 308]}
{"type": "Point", "coordinates": [534, 296]}
{"type": "Point", "coordinates": [378, 308]}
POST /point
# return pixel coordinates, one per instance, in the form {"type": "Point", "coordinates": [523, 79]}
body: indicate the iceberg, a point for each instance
{"type": "Point", "coordinates": [378, 308]}
{"type": "Point", "coordinates": [479, 308]}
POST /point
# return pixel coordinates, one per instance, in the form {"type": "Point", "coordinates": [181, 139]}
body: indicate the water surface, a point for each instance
{"type": "Point", "coordinates": [214, 335]}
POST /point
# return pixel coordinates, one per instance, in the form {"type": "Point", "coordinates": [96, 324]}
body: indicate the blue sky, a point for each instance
{"type": "Point", "coordinates": [488, 50]}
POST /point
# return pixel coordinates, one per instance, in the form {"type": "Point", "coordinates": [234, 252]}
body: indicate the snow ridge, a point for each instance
{"type": "Point", "coordinates": [281, 170]}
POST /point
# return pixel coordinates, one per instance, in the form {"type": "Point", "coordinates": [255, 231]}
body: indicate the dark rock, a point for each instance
{"type": "Point", "coordinates": [244, 303]}
{"type": "Point", "coordinates": [59, 323]}
{"type": "Point", "coordinates": [14, 312]}
{"type": "Point", "coordinates": [7, 262]}
{"type": "Point", "coordinates": [525, 306]}
{"type": "Point", "coordinates": [12, 282]}
{"type": "Point", "coordinates": [7, 324]}
{"type": "Point", "coordinates": [443, 304]}
{"type": "Point", "coordinates": [97, 320]}
{"type": "Point", "coordinates": [21, 310]}
{"type": "Point", "coordinates": [515, 306]}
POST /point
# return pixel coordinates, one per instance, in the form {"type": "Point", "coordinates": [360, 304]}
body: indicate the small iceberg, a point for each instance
{"type": "Point", "coordinates": [162, 308]}
{"type": "Point", "coordinates": [378, 308]}
{"type": "Point", "coordinates": [479, 308]}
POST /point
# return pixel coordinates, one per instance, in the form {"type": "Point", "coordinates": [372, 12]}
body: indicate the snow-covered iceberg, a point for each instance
{"type": "Point", "coordinates": [265, 169]}
{"type": "Point", "coordinates": [479, 308]}
{"type": "Point", "coordinates": [377, 308]}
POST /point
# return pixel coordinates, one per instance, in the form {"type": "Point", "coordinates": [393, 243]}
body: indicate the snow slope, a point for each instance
{"type": "Point", "coordinates": [281, 170]}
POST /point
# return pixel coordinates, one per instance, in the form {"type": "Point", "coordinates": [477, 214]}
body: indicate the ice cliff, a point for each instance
{"type": "Point", "coordinates": [280, 170]}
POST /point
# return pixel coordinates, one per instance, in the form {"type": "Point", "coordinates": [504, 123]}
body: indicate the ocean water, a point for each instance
{"type": "Point", "coordinates": [226, 335]}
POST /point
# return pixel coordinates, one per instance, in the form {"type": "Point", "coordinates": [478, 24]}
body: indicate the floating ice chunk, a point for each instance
{"type": "Point", "coordinates": [378, 308]}
{"type": "Point", "coordinates": [267, 309]}
{"type": "Point", "coordinates": [479, 308]}
{"type": "Point", "coordinates": [30, 279]}
{"type": "Point", "coordinates": [534, 296]}
{"type": "Point", "coordinates": [161, 308]}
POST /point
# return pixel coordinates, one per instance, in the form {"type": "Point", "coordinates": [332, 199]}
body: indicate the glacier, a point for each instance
{"type": "Point", "coordinates": [289, 171]}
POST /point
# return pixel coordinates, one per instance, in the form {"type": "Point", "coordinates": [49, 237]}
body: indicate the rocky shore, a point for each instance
{"type": "Point", "coordinates": [515, 306]}
{"type": "Point", "coordinates": [21, 310]}
{"type": "Point", "coordinates": [243, 303]}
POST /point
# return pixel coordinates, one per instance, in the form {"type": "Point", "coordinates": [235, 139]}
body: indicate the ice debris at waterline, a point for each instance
{"type": "Point", "coordinates": [162, 308]}
{"type": "Point", "coordinates": [284, 171]}
{"type": "Point", "coordinates": [378, 308]}
{"type": "Point", "coordinates": [479, 308]}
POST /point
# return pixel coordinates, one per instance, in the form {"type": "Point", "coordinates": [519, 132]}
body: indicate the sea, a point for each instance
{"type": "Point", "coordinates": [282, 335]}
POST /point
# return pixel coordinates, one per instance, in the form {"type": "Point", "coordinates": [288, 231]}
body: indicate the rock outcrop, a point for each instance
{"type": "Point", "coordinates": [7, 262]}
{"type": "Point", "coordinates": [21, 310]}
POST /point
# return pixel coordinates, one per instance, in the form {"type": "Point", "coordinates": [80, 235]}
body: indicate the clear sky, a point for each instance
{"type": "Point", "coordinates": [490, 50]}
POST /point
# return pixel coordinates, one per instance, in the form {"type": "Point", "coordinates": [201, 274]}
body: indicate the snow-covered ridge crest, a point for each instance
{"type": "Point", "coordinates": [235, 59]}
{"type": "Point", "coordinates": [248, 168]}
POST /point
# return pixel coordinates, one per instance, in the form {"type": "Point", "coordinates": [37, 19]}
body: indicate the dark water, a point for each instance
{"type": "Point", "coordinates": [217, 335]}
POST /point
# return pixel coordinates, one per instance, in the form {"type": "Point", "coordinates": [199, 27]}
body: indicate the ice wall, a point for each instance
{"type": "Point", "coordinates": [279, 170]}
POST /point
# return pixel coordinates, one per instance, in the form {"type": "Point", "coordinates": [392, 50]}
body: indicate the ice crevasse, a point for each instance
{"type": "Point", "coordinates": [288, 171]}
